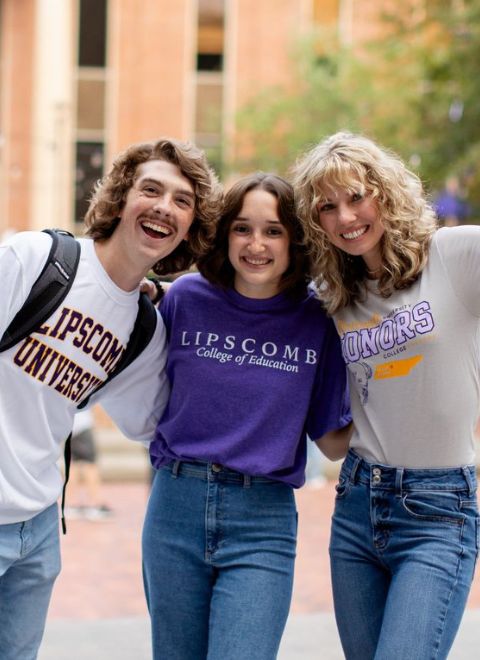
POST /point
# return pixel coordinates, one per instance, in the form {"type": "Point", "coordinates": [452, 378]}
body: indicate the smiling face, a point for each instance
{"type": "Point", "coordinates": [158, 212]}
{"type": "Point", "coordinates": [352, 224]}
{"type": "Point", "coordinates": [258, 246]}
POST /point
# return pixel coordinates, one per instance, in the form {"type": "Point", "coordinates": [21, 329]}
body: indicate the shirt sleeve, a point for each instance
{"type": "Point", "coordinates": [459, 250]}
{"type": "Point", "coordinates": [137, 397]}
{"type": "Point", "coordinates": [330, 403]}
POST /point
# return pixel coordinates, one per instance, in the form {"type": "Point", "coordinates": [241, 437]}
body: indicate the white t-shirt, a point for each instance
{"type": "Point", "coordinates": [45, 377]}
{"type": "Point", "coordinates": [413, 360]}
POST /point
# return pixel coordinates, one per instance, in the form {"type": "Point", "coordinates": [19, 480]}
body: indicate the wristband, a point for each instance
{"type": "Point", "coordinates": [159, 288]}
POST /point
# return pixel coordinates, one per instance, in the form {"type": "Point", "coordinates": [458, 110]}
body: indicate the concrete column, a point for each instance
{"type": "Point", "coordinates": [53, 109]}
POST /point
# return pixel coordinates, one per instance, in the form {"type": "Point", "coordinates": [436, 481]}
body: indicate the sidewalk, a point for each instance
{"type": "Point", "coordinates": [307, 637]}
{"type": "Point", "coordinates": [98, 609]}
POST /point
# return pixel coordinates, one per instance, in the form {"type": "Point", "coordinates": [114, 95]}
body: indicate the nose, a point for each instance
{"type": "Point", "coordinates": [162, 204]}
{"type": "Point", "coordinates": [256, 243]}
{"type": "Point", "coordinates": [346, 214]}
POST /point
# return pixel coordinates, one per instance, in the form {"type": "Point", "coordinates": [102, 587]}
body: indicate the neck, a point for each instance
{"type": "Point", "coordinates": [120, 271]}
{"type": "Point", "coordinates": [373, 273]}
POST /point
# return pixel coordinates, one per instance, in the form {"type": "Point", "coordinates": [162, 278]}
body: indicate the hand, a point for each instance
{"type": "Point", "coordinates": [334, 444]}
{"type": "Point", "coordinates": [153, 289]}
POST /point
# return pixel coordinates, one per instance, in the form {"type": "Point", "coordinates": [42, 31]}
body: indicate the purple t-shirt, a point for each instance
{"type": "Point", "coordinates": [250, 379]}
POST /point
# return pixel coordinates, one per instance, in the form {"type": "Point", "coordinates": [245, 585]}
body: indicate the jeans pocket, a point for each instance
{"type": "Point", "coordinates": [434, 506]}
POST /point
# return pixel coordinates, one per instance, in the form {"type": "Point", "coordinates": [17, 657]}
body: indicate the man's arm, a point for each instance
{"type": "Point", "coordinates": [334, 444]}
{"type": "Point", "coordinates": [137, 397]}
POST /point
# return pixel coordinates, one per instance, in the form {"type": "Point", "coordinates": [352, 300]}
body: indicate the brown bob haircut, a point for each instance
{"type": "Point", "coordinates": [110, 193]}
{"type": "Point", "coordinates": [215, 265]}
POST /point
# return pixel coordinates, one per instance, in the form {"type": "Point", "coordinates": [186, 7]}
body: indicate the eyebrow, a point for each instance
{"type": "Point", "coordinates": [243, 219]}
{"type": "Point", "coordinates": [158, 182]}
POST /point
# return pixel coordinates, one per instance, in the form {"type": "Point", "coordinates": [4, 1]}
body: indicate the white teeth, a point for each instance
{"type": "Point", "coordinates": [256, 262]}
{"type": "Point", "coordinates": [354, 234]}
{"type": "Point", "coordinates": [160, 229]}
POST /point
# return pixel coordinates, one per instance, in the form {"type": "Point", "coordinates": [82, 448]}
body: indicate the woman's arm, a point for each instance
{"type": "Point", "coordinates": [334, 444]}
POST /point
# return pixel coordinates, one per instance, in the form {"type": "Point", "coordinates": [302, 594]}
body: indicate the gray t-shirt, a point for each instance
{"type": "Point", "coordinates": [413, 360]}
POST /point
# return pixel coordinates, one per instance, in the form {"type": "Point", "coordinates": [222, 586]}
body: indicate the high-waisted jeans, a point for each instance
{"type": "Point", "coordinates": [218, 559]}
{"type": "Point", "coordinates": [403, 549]}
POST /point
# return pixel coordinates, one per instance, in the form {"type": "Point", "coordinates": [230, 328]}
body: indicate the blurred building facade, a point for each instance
{"type": "Point", "coordinates": [82, 79]}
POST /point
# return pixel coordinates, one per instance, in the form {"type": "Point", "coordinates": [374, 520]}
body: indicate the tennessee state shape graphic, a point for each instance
{"type": "Point", "coordinates": [396, 368]}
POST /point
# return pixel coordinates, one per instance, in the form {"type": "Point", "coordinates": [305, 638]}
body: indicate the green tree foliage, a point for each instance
{"type": "Point", "coordinates": [416, 89]}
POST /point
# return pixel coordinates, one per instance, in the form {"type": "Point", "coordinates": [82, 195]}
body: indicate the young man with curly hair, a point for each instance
{"type": "Point", "coordinates": [153, 210]}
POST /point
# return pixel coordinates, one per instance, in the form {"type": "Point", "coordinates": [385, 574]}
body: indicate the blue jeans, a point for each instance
{"type": "Point", "coordinates": [29, 564]}
{"type": "Point", "coordinates": [218, 559]}
{"type": "Point", "coordinates": [403, 550]}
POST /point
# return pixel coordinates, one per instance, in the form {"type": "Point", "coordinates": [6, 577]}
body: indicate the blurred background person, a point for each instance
{"type": "Point", "coordinates": [85, 485]}
{"type": "Point", "coordinates": [450, 204]}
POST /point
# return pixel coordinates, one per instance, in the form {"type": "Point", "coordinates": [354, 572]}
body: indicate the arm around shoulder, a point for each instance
{"type": "Point", "coordinates": [136, 398]}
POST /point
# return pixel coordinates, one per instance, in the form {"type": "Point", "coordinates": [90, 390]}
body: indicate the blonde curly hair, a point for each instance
{"type": "Point", "coordinates": [355, 163]}
{"type": "Point", "coordinates": [110, 193]}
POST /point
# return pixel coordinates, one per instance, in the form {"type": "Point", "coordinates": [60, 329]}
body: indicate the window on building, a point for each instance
{"type": "Point", "coordinates": [91, 90]}
{"type": "Point", "coordinates": [209, 61]}
{"type": "Point", "coordinates": [90, 103]}
{"type": "Point", "coordinates": [88, 169]}
{"type": "Point", "coordinates": [93, 25]}
{"type": "Point", "coordinates": [209, 84]}
{"type": "Point", "coordinates": [210, 35]}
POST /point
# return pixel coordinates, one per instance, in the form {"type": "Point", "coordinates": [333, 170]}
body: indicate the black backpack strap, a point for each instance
{"type": "Point", "coordinates": [49, 290]}
{"type": "Point", "coordinates": [142, 332]}
{"type": "Point", "coordinates": [67, 456]}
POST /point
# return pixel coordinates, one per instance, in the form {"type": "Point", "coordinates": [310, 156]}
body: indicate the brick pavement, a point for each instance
{"type": "Point", "coordinates": [101, 576]}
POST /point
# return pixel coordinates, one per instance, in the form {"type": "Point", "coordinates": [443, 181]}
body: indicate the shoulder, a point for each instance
{"type": "Point", "coordinates": [87, 245]}
{"type": "Point", "coordinates": [29, 243]}
{"type": "Point", "coordinates": [454, 245]}
{"type": "Point", "coordinates": [189, 296]}
{"type": "Point", "coordinates": [309, 318]}
{"type": "Point", "coordinates": [314, 306]}
{"type": "Point", "coordinates": [456, 250]}
{"type": "Point", "coordinates": [457, 237]}
{"type": "Point", "coordinates": [188, 285]}
{"type": "Point", "coordinates": [26, 251]}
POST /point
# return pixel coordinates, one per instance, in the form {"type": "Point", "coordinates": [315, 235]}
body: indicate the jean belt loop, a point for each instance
{"type": "Point", "coordinates": [468, 479]}
{"type": "Point", "coordinates": [175, 469]}
{"type": "Point", "coordinates": [247, 481]}
{"type": "Point", "coordinates": [398, 482]}
{"type": "Point", "coordinates": [353, 473]}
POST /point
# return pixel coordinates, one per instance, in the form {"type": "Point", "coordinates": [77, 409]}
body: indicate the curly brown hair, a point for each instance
{"type": "Point", "coordinates": [110, 193]}
{"type": "Point", "coordinates": [357, 164]}
{"type": "Point", "coordinates": [215, 265]}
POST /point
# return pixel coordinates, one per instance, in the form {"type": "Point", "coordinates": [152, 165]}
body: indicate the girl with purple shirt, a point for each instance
{"type": "Point", "coordinates": [254, 366]}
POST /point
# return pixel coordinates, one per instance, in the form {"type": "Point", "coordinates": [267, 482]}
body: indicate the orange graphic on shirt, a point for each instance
{"type": "Point", "coordinates": [396, 367]}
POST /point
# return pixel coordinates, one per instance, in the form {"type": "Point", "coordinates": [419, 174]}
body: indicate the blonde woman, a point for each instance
{"type": "Point", "coordinates": [406, 303]}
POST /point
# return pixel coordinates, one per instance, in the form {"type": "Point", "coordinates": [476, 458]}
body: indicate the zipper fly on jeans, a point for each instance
{"type": "Point", "coordinates": [380, 513]}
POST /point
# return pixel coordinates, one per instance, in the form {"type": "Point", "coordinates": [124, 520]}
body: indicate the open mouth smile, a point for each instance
{"type": "Point", "coordinates": [252, 261]}
{"type": "Point", "coordinates": [156, 231]}
{"type": "Point", "coordinates": [352, 235]}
